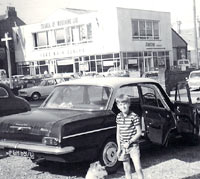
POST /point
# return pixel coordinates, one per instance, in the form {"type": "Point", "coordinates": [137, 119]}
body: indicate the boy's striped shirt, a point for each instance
{"type": "Point", "coordinates": [127, 125]}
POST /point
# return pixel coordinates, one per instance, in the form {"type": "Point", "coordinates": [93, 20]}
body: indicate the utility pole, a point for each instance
{"type": "Point", "coordinates": [6, 39]}
{"type": "Point", "coordinates": [179, 26]}
{"type": "Point", "coordinates": [195, 34]}
{"type": "Point", "coordinates": [198, 20]}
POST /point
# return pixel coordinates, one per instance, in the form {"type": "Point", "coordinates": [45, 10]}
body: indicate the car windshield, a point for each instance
{"type": "Point", "coordinates": [79, 97]}
{"type": "Point", "coordinates": [194, 75]}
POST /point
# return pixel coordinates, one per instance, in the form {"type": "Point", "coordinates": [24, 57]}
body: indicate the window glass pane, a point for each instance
{"type": "Point", "coordinates": [75, 34]}
{"type": "Point", "coordinates": [89, 31]}
{"type": "Point", "coordinates": [83, 35]}
{"type": "Point", "coordinates": [182, 93]}
{"type": "Point", "coordinates": [156, 28]}
{"type": "Point", "coordinates": [135, 30]}
{"type": "Point", "coordinates": [42, 39]}
{"type": "Point", "coordinates": [149, 28]}
{"type": "Point", "coordinates": [142, 28]}
{"type": "Point", "coordinates": [60, 36]}
{"type": "Point", "coordinates": [68, 35]}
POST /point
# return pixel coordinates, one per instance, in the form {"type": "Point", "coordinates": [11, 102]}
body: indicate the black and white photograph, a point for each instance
{"type": "Point", "coordinates": [99, 89]}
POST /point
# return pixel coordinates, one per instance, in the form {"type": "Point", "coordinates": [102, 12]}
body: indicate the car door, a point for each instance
{"type": "Point", "coordinates": [48, 88]}
{"type": "Point", "coordinates": [187, 116]}
{"type": "Point", "coordinates": [6, 102]}
{"type": "Point", "coordinates": [158, 117]}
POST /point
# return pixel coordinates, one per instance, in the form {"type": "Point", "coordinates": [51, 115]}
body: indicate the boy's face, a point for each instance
{"type": "Point", "coordinates": [123, 106]}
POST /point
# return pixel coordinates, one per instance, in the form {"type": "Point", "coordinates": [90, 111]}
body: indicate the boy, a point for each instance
{"type": "Point", "coordinates": [128, 133]}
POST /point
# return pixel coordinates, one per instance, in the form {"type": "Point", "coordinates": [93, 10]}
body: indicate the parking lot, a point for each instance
{"type": "Point", "coordinates": [178, 161]}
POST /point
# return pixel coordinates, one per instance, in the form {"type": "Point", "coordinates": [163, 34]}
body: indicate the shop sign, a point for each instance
{"type": "Point", "coordinates": [132, 61]}
{"type": "Point", "coordinates": [59, 23]}
{"type": "Point", "coordinates": [65, 62]}
{"type": "Point", "coordinates": [108, 63]}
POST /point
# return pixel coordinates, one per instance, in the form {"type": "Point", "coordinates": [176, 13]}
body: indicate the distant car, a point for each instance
{"type": "Point", "coordinates": [151, 74]}
{"type": "Point", "coordinates": [11, 104]}
{"type": "Point", "coordinates": [77, 122]}
{"type": "Point", "coordinates": [42, 90]}
{"type": "Point", "coordinates": [117, 72]}
{"type": "Point", "coordinates": [183, 64]}
{"type": "Point", "coordinates": [194, 79]}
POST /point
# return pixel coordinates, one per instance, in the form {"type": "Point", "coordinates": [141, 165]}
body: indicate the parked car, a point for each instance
{"type": "Point", "coordinates": [42, 90]}
{"type": "Point", "coordinates": [77, 122]}
{"type": "Point", "coordinates": [194, 79]}
{"type": "Point", "coordinates": [11, 104]}
{"type": "Point", "coordinates": [151, 74]}
{"type": "Point", "coordinates": [117, 72]}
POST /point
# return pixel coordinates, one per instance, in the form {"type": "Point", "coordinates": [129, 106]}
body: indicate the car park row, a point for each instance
{"type": "Point", "coordinates": [76, 122]}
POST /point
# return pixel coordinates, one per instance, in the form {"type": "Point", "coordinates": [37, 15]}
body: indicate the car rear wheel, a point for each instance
{"type": "Point", "coordinates": [35, 96]}
{"type": "Point", "coordinates": [108, 156]}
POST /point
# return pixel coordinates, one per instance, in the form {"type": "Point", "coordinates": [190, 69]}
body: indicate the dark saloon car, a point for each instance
{"type": "Point", "coordinates": [77, 121]}
{"type": "Point", "coordinates": [11, 104]}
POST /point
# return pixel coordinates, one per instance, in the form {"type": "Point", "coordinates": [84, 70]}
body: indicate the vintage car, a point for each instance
{"type": "Point", "coordinates": [77, 122]}
{"type": "Point", "coordinates": [11, 104]}
{"type": "Point", "coordinates": [194, 79]}
{"type": "Point", "coordinates": [42, 90]}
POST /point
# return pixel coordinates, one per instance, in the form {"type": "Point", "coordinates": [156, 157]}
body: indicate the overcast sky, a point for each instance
{"type": "Point", "coordinates": [34, 11]}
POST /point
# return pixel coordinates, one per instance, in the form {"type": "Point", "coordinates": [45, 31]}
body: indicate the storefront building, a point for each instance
{"type": "Point", "coordinates": [74, 40]}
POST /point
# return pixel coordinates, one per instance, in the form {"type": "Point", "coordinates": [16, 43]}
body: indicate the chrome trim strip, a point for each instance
{"type": "Point", "coordinates": [89, 132]}
{"type": "Point", "coordinates": [37, 148]}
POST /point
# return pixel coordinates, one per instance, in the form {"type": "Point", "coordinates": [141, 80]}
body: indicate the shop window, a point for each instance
{"type": "Point", "coordinates": [59, 34]}
{"type": "Point", "coordinates": [83, 35]}
{"type": "Point", "coordinates": [41, 39]}
{"type": "Point", "coordinates": [107, 56]}
{"type": "Point", "coordinates": [89, 31]}
{"type": "Point", "coordinates": [68, 35]}
{"type": "Point", "coordinates": [145, 29]}
{"type": "Point", "coordinates": [93, 65]}
{"type": "Point", "coordinates": [116, 55]}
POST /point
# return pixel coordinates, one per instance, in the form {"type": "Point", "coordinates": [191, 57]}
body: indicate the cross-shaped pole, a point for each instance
{"type": "Point", "coordinates": [6, 39]}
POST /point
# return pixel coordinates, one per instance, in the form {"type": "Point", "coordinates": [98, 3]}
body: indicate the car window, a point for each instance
{"type": "Point", "coordinates": [3, 93]}
{"type": "Point", "coordinates": [182, 94]}
{"type": "Point", "coordinates": [51, 82]}
{"type": "Point", "coordinates": [152, 96]}
{"type": "Point", "coordinates": [59, 80]}
{"type": "Point", "coordinates": [131, 91]}
{"type": "Point", "coordinates": [81, 97]}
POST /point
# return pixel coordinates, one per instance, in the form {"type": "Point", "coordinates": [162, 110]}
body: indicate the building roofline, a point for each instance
{"type": "Point", "coordinates": [179, 36]}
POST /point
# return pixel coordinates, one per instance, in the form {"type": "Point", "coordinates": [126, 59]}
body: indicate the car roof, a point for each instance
{"type": "Point", "coordinates": [196, 71]}
{"type": "Point", "coordinates": [107, 81]}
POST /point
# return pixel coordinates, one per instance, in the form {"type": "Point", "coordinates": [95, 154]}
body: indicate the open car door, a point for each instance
{"type": "Point", "coordinates": [158, 116]}
{"type": "Point", "coordinates": [186, 111]}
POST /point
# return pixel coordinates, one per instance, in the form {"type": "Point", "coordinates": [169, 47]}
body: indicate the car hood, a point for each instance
{"type": "Point", "coordinates": [38, 123]}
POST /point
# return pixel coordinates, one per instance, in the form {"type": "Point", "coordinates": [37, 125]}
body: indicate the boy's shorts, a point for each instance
{"type": "Point", "coordinates": [133, 151]}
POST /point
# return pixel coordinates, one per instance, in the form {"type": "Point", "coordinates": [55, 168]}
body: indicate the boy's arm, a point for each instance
{"type": "Point", "coordinates": [137, 135]}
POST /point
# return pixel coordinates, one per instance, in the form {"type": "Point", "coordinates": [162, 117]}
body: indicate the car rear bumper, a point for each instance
{"type": "Point", "coordinates": [36, 148]}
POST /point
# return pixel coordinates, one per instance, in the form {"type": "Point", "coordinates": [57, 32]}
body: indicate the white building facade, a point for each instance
{"type": "Point", "coordinates": [74, 40]}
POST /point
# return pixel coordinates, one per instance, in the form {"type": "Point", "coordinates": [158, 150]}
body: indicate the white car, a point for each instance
{"type": "Point", "coordinates": [194, 80]}
{"type": "Point", "coordinates": [42, 90]}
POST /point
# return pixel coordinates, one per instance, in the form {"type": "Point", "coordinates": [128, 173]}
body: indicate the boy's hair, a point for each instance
{"type": "Point", "coordinates": [123, 98]}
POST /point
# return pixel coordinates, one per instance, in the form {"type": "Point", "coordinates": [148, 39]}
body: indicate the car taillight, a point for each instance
{"type": "Point", "coordinates": [50, 141]}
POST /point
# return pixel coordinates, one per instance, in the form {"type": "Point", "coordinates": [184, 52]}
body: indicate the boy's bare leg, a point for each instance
{"type": "Point", "coordinates": [137, 165]}
{"type": "Point", "coordinates": [127, 169]}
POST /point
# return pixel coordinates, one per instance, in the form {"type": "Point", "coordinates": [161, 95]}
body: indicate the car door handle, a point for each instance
{"type": "Point", "coordinates": [178, 109]}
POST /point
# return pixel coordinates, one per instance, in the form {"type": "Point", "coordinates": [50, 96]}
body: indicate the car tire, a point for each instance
{"type": "Point", "coordinates": [35, 96]}
{"type": "Point", "coordinates": [108, 156]}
